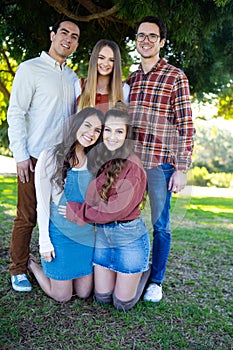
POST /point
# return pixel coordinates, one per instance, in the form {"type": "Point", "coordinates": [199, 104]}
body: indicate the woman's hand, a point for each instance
{"type": "Point", "coordinates": [62, 210]}
{"type": "Point", "coordinates": [48, 256]}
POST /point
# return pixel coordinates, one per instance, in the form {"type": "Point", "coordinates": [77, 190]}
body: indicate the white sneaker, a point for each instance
{"type": "Point", "coordinates": [20, 283]}
{"type": "Point", "coordinates": [153, 293]}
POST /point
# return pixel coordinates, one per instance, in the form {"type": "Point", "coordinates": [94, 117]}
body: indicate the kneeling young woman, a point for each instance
{"type": "Point", "coordinates": [62, 174]}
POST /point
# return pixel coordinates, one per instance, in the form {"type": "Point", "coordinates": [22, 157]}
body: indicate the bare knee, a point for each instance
{"type": "Point", "coordinates": [83, 286]}
{"type": "Point", "coordinates": [60, 291]}
{"type": "Point", "coordinates": [84, 294]}
{"type": "Point", "coordinates": [62, 298]}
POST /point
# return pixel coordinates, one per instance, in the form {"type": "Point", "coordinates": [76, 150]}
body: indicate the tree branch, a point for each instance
{"type": "Point", "coordinates": [4, 90]}
{"type": "Point", "coordinates": [5, 57]}
{"type": "Point", "coordinates": [90, 6]}
{"type": "Point", "coordinates": [59, 7]}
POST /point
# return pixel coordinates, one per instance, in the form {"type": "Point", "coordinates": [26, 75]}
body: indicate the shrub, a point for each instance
{"type": "Point", "coordinates": [199, 176]}
{"type": "Point", "coordinates": [221, 180]}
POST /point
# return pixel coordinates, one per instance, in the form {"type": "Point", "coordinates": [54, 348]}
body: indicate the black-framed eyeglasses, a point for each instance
{"type": "Point", "coordinates": [153, 38]}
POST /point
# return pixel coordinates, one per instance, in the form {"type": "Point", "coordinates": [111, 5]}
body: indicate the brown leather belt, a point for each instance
{"type": "Point", "coordinates": [119, 222]}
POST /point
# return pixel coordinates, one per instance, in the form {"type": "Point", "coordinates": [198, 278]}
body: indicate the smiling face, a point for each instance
{"type": "Point", "coordinates": [114, 134]}
{"type": "Point", "coordinates": [145, 48]}
{"type": "Point", "coordinates": [105, 61]}
{"type": "Point", "coordinates": [64, 41]}
{"type": "Point", "coordinates": [89, 131]}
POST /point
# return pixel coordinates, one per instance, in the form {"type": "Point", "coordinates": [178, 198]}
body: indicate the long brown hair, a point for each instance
{"type": "Point", "coordinates": [88, 96]}
{"type": "Point", "coordinates": [112, 163]}
{"type": "Point", "coordinates": [64, 153]}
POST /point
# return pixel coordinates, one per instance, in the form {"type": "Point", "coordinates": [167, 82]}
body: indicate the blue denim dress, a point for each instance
{"type": "Point", "coordinates": [73, 244]}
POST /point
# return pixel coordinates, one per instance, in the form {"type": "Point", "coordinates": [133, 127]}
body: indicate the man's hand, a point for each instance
{"type": "Point", "coordinates": [177, 181]}
{"type": "Point", "coordinates": [23, 170]}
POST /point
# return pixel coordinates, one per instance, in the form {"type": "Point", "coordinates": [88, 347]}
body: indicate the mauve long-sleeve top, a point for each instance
{"type": "Point", "coordinates": [124, 198]}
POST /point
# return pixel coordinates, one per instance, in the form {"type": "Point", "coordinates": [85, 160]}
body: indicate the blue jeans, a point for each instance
{"type": "Point", "coordinates": [160, 203]}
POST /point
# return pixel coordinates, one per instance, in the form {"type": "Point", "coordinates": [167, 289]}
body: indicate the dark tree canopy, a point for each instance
{"type": "Point", "coordinates": [199, 31]}
{"type": "Point", "coordinates": [199, 40]}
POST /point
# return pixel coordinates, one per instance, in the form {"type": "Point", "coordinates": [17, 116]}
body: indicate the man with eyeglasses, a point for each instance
{"type": "Point", "coordinates": [163, 129]}
{"type": "Point", "coordinates": [42, 98]}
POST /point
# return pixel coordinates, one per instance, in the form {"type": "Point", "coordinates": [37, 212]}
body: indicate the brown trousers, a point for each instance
{"type": "Point", "coordinates": [24, 223]}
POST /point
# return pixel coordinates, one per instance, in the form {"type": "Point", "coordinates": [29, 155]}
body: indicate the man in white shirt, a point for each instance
{"type": "Point", "coordinates": [42, 97]}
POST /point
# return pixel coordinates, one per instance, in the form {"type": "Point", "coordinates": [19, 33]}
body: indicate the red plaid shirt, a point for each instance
{"type": "Point", "coordinates": [161, 115]}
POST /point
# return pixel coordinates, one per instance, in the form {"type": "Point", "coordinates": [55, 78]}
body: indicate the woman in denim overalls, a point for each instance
{"type": "Point", "coordinates": [61, 174]}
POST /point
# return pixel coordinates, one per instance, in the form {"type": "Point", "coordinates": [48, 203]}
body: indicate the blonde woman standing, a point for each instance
{"type": "Point", "coordinates": [103, 86]}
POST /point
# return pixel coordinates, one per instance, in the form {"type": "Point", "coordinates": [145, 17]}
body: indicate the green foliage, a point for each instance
{"type": "Point", "coordinates": [213, 147]}
{"type": "Point", "coordinates": [221, 2]}
{"type": "Point", "coordinates": [225, 102]}
{"type": "Point", "coordinates": [6, 79]}
{"type": "Point", "coordinates": [201, 177]}
{"type": "Point", "coordinates": [221, 180]}
{"type": "Point", "coordinates": [24, 35]}
{"type": "Point", "coordinates": [199, 32]}
{"type": "Point", "coordinates": [4, 141]}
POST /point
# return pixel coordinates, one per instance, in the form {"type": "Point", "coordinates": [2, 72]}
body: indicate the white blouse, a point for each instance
{"type": "Point", "coordinates": [46, 192]}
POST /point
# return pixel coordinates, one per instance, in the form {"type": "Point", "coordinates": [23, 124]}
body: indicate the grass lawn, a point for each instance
{"type": "Point", "coordinates": [195, 313]}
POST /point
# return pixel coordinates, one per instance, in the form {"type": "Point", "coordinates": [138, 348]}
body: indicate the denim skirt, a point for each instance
{"type": "Point", "coordinates": [73, 244]}
{"type": "Point", "coordinates": [73, 259]}
{"type": "Point", "coordinates": [123, 247]}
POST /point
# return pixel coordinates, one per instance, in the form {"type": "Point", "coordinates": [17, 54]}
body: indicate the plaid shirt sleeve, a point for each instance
{"type": "Point", "coordinates": [183, 120]}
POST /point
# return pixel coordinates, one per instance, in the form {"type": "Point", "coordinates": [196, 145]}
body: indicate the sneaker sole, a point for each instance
{"type": "Point", "coordinates": [152, 300]}
{"type": "Point", "coordinates": [22, 289]}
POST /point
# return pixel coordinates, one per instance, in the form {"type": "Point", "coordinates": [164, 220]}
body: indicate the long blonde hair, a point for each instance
{"type": "Point", "coordinates": [88, 96]}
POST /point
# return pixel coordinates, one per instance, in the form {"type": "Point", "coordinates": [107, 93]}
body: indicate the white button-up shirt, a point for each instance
{"type": "Point", "coordinates": [42, 97]}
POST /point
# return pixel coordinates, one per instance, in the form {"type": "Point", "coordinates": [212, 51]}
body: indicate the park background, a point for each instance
{"type": "Point", "coordinates": [196, 312]}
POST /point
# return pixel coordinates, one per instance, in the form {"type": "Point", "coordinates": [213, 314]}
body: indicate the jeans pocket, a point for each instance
{"type": "Point", "coordinates": [128, 225]}
{"type": "Point", "coordinates": [167, 167]}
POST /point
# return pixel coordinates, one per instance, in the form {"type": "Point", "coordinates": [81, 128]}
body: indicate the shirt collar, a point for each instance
{"type": "Point", "coordinates": [51, 60]}
{"type": "Point", "coordinates": [161, 62]}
